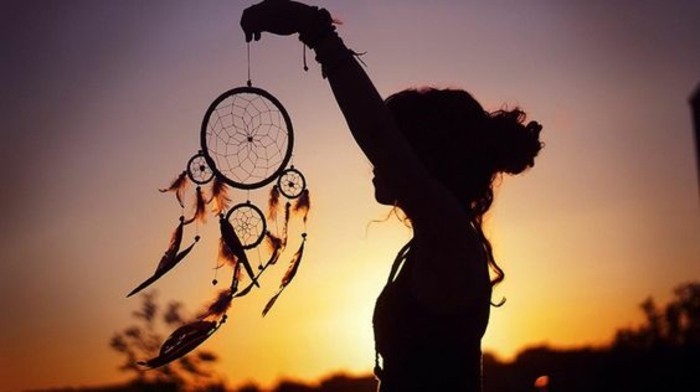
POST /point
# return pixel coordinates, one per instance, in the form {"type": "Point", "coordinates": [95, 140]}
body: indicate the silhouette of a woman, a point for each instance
{"type": "Point", "coordinates": [435, 155]}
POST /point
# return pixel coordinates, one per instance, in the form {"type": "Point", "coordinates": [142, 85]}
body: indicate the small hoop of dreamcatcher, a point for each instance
{"type": "Point", "coordinates": [247, 137]}
{"type": "Point", "coordinates": [198, 170]}
{"type": "Point", "coordinates": [291, 183]}
{"type": "Point", "coordinates": [248, 223]}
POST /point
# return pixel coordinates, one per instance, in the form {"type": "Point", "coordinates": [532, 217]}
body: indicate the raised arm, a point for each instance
{"type": "Point", "coordinates": [370, 122]}
{"type": "Point", "coordinates": [368, 118]}
{"type": "Point", "coordinates": [441, 226]}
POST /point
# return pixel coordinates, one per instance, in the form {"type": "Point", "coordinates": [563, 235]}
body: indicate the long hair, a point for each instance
{"type": "Point", "coordinates": [466, 148]}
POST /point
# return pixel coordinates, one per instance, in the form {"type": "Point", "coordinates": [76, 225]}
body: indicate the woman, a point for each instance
{"type": "Point", "coordinates": [435, 155]}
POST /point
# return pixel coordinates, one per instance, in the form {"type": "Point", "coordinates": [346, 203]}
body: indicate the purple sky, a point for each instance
{"type": "Point", "coordinates": [101, 105]}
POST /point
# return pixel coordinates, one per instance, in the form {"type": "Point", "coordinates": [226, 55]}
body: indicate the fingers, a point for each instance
{"type": "Point", "coordinates": [247, 24]}
{"type": "Point", "coordinates": [281, 17]}
{"type": "Point", "coordinates": [252, 35]}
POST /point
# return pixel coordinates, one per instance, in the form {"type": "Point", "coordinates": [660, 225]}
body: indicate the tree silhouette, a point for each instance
{"type": "Point", "coordinates": [249, 387]}
{"type": "Point", "coordinates": [143, 340]}
{"type": "Point", "coordinates": [677, 324]}
{"type": "Point", "coordinates": [662, 354]}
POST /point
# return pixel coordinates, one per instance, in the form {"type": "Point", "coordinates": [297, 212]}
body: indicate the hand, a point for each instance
{"type": "Point", "coordinates": [281, 17]}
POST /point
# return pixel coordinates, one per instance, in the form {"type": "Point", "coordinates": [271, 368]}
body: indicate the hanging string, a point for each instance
{"type": "Point", "coordinates": [249, 83]}
{"type": "Point", "coordinates": [260, 266]}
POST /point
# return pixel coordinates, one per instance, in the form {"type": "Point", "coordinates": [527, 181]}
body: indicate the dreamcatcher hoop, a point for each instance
{"type": "Point", "coordinates": [247, 137]}
{"type": "Point", "coordinates": [249, 224]}
{"type": "Point", "coordinates": [199, 170]}
{"type": "Point", "coordinates": [291, 183]}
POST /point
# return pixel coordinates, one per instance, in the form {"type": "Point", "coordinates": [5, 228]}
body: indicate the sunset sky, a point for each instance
{"type": "Point", "coordinates": [102, 103]}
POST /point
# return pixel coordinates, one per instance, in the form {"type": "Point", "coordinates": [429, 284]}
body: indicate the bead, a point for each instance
{"type": "Point", "coordinates": [214, 282]}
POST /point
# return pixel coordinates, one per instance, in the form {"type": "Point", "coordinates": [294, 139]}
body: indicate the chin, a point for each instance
{"type": "Point", "coordinates": [381, 194]}
{"type": "Point", "coordinates": [383, 200]}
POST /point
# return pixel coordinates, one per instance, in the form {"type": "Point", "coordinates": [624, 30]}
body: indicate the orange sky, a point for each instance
{"type": "Point", "coordinates": [103, 103]}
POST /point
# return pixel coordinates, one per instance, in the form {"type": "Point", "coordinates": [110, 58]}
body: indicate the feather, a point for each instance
{"type": "Point", "coordinates": [285, 225]}
{"type": "Point", "coordinates": [236, 278]}
{"type": "Point", "coordinates": [219, 306]}
{"type": "Point", "coordinates": [165, 268]}
{"type": "Point", "coordinates": [293, 265]}
{"type": "Point", "coordinates": [273, 203]}
{"type": "Point", "coordinates": [234, 244]}
{"type": "Point", "coordinates": [288, 276]}
{"type": "Point", "coordinates": [179, 185]}
{"type": "Point", "coordinates": [181, 342]}
{"type": "Point", "coordinates": [244, 291]}
{"type": "Point", "coordinates": [169, 259]}
{"type": "Point", "coordinates": [276, 252]}
{"type": "Point", "coordinates": [303, 204]}
{"type": "Point", "coordinates": [200, 208]}
{"type": "Point", "coordinates": [272, 260]}
{"type": "Point", "coordinates": [185, 252]}
{"type": "Point", "coordinates": [273, 242]}
{"type": "Point", "coordinates": [226, 256]}
{"type": "Point", "coordinates": [173, 246]}
{"type": "Point", "coordinates": [219, 196]}
{"type": "Point", "coordinates": [274, 256]}
{"type": "Point", "coordinates": [271, 302]}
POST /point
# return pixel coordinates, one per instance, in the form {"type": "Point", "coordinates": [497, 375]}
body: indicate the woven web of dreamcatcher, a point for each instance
{"type": "Point", "coordinates": [249, 224]}
{"type": "Point", "coordinates": [247, 138]}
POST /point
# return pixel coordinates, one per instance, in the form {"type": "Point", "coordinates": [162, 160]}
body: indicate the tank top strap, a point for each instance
{"type": "Point", "coordinates": [398, 261]}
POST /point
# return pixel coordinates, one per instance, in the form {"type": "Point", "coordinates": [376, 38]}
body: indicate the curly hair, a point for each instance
{"type": "Point", "coordinates": [465, 147]}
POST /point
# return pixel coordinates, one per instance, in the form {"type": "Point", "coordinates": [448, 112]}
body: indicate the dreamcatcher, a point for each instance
{"type": "Point", "coordinates": [246, 140]}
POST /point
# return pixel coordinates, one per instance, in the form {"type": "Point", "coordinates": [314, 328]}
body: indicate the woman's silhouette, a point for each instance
{"type": "Point", "coordinates": [435, 155]}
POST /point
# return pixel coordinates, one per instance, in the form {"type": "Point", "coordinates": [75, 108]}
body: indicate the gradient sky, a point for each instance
{"type": "Point", "coordinates": [102, 104]}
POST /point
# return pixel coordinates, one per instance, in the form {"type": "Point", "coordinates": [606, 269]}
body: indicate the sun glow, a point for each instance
{"type": "Point", "coordinates": [607, 217]}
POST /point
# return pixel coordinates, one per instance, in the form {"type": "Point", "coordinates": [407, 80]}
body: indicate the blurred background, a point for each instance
{"type": "Point", "coordinates": [102, 104]}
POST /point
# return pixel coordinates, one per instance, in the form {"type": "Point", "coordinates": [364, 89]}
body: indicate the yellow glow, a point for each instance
{"type": "Point", "coordinates": [105, 104]}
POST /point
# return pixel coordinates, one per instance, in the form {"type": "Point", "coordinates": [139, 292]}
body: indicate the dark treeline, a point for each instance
{"type": "Point", "coordinates": [662, 354]}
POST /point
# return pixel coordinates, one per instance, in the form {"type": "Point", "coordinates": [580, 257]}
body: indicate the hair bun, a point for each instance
{"type": "Point", "coordinates": [514, 145]}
